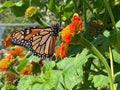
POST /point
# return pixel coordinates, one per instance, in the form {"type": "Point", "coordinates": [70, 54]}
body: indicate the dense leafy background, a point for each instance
{"type": "Point", "coordinates": [81, 69]}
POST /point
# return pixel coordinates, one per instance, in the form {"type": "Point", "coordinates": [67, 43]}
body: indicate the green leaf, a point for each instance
{"type": "Point", "coordinates": [37, 3]}
{"type": "Point", "coordinates": [101, 42]}
{"type": "Point", "coordinates": [37, 86]}
{"type": "Point", "coordinates": [46, 87]}
{"type": "Point", "coordinates": [115, 11]}
{"type": "Point", "coordinates": [60, 87]}
{"type": "Point", "coordinates": [19, 10]}
{"type": "Point", "coordinates": [81, 58]}
{"type": "Point", "coordinates": [117, 77]}
{"type": "Point", "coordinates": [25, 83]}
{"type": "Point", "coordinates": [20, 7]}
{"type": "Point", "coordinates": [22, 64]}
{"type": "Point", "coordinates": [116, 56]}
{"type": "Point", "coordinates": [8, 4]}
{"type": "Point", "coordinates": [65, 62]}
{"type": "Point", "coordinates": [56, 77]}
{"type": "Point", "coordinates": [29, 82]}
{"type": "Point", "coordinates": [73, 50]}
{"type": "Point", "coordinates": [8, 87]}
{"type": "Point", "coordinates": [50, 79]}
{"type": "Point", "coordinates": [117, 2]}
{"type": "Point", "coordinates": [19, 3]}
{"type": "Point", "coordinates": [52, 6]}
{"type": "Point", "coordinates": [72, 69]}
{"type": "Point", "coordinates": [34, 58]}
{"type": "Point", "coordinates": [1, 9]}
{"type": "Point", "coordinates": [115, 37]}
{"type": "Point", "coordinates": [98, 81]}
{"type": "Point", "coordinates": [68, 10]}
{"type": "Point", "coordinates": [48, 65]}
{"type": "Point", "coordinates": [106, 33]}
{"type": "Point", "coordinates": [71, 79]}
{"type": "Point", "coordinates": [118, 34]}
{"type": "Point", "coordinates": [98, 7]}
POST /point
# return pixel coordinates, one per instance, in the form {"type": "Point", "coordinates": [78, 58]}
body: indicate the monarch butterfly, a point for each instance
{"type": "Point", "coordinates": [39, 40]}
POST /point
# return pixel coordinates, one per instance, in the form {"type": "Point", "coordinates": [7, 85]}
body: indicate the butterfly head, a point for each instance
{"type": "Point", "coordinates": [56, 28]}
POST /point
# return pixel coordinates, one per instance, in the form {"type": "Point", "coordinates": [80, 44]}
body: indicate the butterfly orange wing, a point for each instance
{"type": "Point", "coordinates": [7, 41]}
{"type": "Point", "coordinates": [40, 40]}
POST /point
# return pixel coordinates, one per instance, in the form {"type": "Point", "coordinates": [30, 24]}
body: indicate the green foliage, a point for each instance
{"type": "Point", "coordinates": [116, 56]}
{"type": "Point", "coordinates": [32, 57]}
{"type": "Point", "coordinates": [117, 80]}
{"type": "Point", "coordinates": [8, 87]}
{"type": "Point", "coordinates": [101, 42]}
{"type": "Point", "coordinates": [98, 81]}
{"type": "Point", "coordinates": [9, 4]}
{"type": "Point", "coordinates": [68, 74]}
{"type": "Point", "coordinates": [115, 37]}
{"type": "Point", "coordinates": [117, 77]}
{"type": "Point", "coordinates": [52, 6]}
{"type": "Point", "coordinates": [86, 66]}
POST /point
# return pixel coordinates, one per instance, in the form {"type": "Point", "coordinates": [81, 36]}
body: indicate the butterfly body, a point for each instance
{"type": "Point", "coordinates": [39, 40]}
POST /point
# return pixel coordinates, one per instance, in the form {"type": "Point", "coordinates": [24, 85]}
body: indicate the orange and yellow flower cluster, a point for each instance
{"type": "Point", "coordinates": [10, 60]}
{"type": "Point", "coordinates": [67, 33]}
{"type": "Point", "coordinates": [25, 70]}
{"type": "Point", "coordinates": [17, 51]}
{"type": "Point", "coordinates": [4, 64]}
{"type": "Point", "coordinates": [9, 57]}
{"type": "Point", "coordinates": [30, 11]}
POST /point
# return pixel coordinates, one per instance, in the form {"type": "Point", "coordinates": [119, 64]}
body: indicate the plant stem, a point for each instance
{"type": "Point", "coordinates": [117, 37]}
{"type": "Point", "coordinates": [100, 71]}
{"type": "Point", "coordinates": [13, 70]}
{"type": "Point", "coordinates": [86, 43]}
{"type": "Point", "coordinates": [111, 64]}
{"type": "Point", "coordinates": [110, 13]}
{"type": "Point", "coordinates": [111, 61]}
